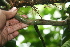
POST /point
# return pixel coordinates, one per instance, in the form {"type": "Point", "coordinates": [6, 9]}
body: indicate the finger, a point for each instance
{"type": "Point", "coordinates": [25, 16]}
{"type": "Point", "coordinates": [16, 33]}
{"type": "Point", "coordinates": [15, 27]}
{"type": "Point", "coordinates": [10, 37]}
{"type": "Point", "coordinates": [12, 22]}
{"type": "Point", "coordinates": [11, 13]}
{"type": "Point", "coordinates": [13, 35]}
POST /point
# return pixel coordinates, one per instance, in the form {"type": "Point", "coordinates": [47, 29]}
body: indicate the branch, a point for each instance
{"type": "Point", "coordinates": [50, 1]}
{"type": "Point", "coordinates": [39, 21]}
{"type": "Point", "coordinates": [18, 3]}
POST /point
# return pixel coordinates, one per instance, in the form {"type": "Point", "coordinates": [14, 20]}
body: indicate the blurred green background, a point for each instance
{"type": "Point", "coordinates": [51, 34]}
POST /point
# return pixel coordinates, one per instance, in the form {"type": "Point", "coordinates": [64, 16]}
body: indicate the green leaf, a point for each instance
{"type": "Point", "coordinates": [66, 44]}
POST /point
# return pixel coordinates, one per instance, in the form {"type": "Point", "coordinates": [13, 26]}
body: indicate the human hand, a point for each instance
{"type": "Point", "coordinates": [9, 25]}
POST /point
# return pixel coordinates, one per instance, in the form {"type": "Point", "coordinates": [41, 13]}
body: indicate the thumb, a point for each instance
{"type": "Point", "coordinates": [13, 9]}
{"type": "Point", "coordinates": [11, 13]}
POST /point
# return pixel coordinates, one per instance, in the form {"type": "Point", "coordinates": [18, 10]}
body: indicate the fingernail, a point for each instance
{"type": "Point", "coordinates": [24, 25]}
{"type": "Point", "coordinates": [13, 9]}
{"type": "Point", "coordinates": [25, 16]}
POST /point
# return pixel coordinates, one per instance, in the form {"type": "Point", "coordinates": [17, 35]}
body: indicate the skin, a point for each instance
{"type": "Point", "coordinates": [9, 26]}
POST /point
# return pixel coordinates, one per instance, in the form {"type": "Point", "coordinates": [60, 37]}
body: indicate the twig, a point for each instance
{"type": "Point", "coordinates": [37, 30]}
